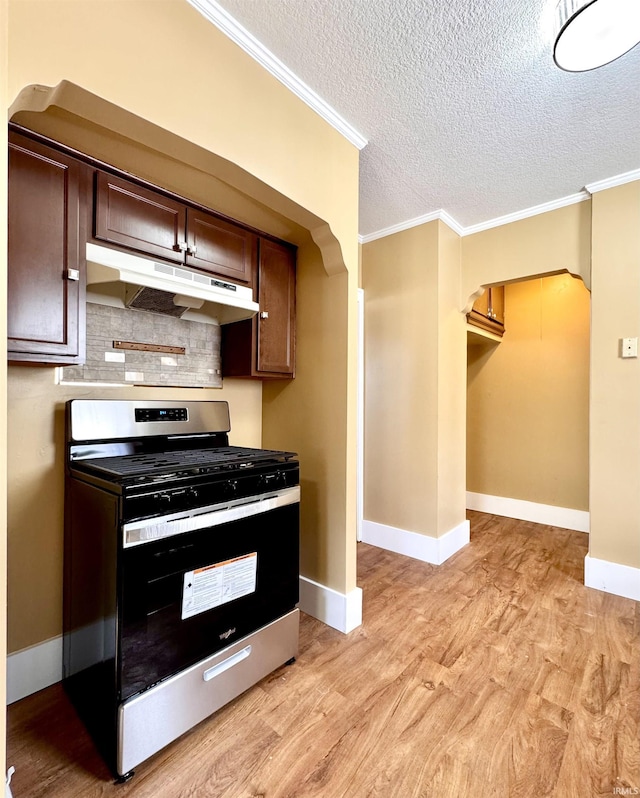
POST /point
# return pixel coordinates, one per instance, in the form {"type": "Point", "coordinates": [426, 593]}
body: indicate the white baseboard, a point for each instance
{"type": "Point", "coordinates": [564, 517]}
{"type": "Point", "coordinates": [33, 669]}
{"type": "Point", "coordinates": [611, 577]}
{"type": "Point", "coordinates": [412, 544]}
{"type": "Point", "coordinates": [342, 611]}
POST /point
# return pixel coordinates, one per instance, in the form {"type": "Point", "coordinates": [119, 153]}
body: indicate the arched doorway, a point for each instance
{"type": "Point", "coordinates": [528, 406]}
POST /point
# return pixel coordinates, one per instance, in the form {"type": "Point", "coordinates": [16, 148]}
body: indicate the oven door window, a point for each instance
{"type": "Point", "coordinates": [185, 597]}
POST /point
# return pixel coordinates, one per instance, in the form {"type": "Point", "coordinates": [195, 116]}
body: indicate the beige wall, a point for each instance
{"type": "Point", "coordinates": [414, 381]}
{"type": "Point", "coordinates": [3, 377]}
{"type": "Point", "coordinates": [399, 277]}
{"type": "Point", "coordinates": [323, 359]}
{"type": "Point", "coordinates": [528, 398]}
{"type": "Point", "coordinates": [416, 283]}
{"type": "Point", "coordinates": [615, 383]}
{"type": "Point", "coordinates": [552, 242]}
{"type": "Point", "coordinates": [452, 378]}
{"type": "Point", "coordinates": [208, 122]}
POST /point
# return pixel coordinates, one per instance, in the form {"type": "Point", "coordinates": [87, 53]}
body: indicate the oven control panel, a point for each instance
{"type": "Point", "coordinates": [206, 491]}
{"type": "Point", "coordinates": [161, 414]}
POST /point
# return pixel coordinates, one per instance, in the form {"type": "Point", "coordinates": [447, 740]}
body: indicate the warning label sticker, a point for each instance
{"type": "Point", "coordinates": [213, 585]}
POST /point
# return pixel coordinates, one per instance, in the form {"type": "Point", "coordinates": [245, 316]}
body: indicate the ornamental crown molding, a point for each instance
{"type": "Point", "coordinates": [241, 36]}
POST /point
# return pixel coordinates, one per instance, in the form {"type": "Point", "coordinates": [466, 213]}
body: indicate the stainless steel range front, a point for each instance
{"type": "Point", "coordinates": [181, 569]}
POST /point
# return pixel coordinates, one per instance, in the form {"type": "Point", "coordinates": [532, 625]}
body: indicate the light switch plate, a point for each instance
{"type": "Point", "coordinates": [628, 347]}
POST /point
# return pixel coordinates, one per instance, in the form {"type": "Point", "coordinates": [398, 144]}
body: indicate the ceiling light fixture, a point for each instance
{"type": "Point", "coordinates": [592, 33]}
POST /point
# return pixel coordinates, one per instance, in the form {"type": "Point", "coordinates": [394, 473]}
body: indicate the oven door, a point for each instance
{"type": "Point", "coordinates": [192, 583]}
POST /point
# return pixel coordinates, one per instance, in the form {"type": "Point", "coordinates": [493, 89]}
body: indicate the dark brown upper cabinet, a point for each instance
{"type": "Point", "coordinates": [146, 221]}
{"type": "Point", "coordinates": [137, 218]}
{"type": "Point", "coordinates": [276, 319]}
{"type": "Point", "coordinates": [264, 347]}
{"type": "Point", "coordinates": [46, 259]}
{"type": "Point", "coordinates": [221, 247]}
{"type": "Point", "coordinates": [59, 199]}
{"type": "Point", "coordinates": [487, 312]}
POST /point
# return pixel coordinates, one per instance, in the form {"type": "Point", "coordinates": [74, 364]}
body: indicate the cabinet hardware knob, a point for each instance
{"type": "Point", "coordinates": [192, 250]}
{"type": "Point", "coordinates": [183, 246]}
{"type": "Point", "coordinates": [264, 314]}
{"type": "Point", "coordinates": [73, 274]}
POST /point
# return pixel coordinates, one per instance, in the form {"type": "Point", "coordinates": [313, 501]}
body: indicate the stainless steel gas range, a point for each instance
{"type": "Point", "coordinates": [181, 569]}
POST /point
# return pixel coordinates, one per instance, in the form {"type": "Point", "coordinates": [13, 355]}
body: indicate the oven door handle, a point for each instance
{"type": "Point", "coordinates": [227, 663]}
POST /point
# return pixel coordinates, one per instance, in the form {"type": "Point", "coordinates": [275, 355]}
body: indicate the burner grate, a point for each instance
{"type": "Point", "coordinates": [185, 460]}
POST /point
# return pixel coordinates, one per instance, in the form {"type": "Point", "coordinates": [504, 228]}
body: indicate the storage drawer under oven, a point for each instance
{"type": "Point", "coordinates": [185, 596]}
{"type": "Point", "coordinates": [150, 721]}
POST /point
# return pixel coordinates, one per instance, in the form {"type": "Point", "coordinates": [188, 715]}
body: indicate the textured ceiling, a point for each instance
{"type": "Point", "coordinates": [461, 103]}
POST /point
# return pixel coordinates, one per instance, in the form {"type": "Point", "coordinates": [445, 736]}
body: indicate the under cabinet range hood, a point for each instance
{"type": "Point", "coordinates": [122, 279]}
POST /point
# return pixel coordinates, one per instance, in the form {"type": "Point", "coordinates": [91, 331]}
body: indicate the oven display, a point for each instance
{"type": "Point", "coordinates": [158, 414]}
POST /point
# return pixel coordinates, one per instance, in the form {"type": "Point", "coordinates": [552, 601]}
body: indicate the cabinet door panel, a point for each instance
{"type": "Point", "coordinates": [276, 330]}
{"type": "Point", "coordinates": [219, 247]}
{"type": "Point", "coordinates": [497, 303]}
{"type": "Point", "coordinates": [45, 311]}
{"type": "Point", "coordinates": [487, 312]}
{"type": "Point", "coordinates": [138, 218]}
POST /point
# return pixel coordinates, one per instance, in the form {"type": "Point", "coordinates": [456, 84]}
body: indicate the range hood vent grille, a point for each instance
{"type": "Point", "coordinates": [154, 301]}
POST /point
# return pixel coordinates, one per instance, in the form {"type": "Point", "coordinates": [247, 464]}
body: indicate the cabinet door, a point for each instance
{"type": "Point", "coordinates": [140, 219]}
{"type": "Point", "coordinates": [264, 346]}
{"type": "Point", "coordinates": [487, 312]}
{"type": "Point", "coordinates": [219, 247]}
{"type": "Point", "coordinates": [276, 318]}
{"type": "Point", "coordinates": [46, 259]}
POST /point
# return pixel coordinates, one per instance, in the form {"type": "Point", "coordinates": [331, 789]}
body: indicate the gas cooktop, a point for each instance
{"type": "Point", "coordinates": [193, 461]}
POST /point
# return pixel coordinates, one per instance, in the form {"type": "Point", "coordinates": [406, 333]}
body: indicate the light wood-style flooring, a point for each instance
{"type": "Point", "coordinates": [495, 674]}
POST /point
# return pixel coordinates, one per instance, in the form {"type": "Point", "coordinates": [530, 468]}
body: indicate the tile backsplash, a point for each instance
{"type": "Point", "coordinates": [198, 367]}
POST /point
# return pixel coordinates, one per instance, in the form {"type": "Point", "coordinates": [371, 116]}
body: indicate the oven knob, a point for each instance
{"type": "Point", "coordinates": [273, 480]}
{"type": "Point", "coordinates": [231, 487]}
{"type": "Point", "coordinates": [192, 493]}
{"type": "Point", "coordinates": [165, 499]}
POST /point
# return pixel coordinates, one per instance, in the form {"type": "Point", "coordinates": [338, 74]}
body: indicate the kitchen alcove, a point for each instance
{"type": "Point", "coordinates": [528, 399]}
{"type": "Point", "coordinates": [306, 416]}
